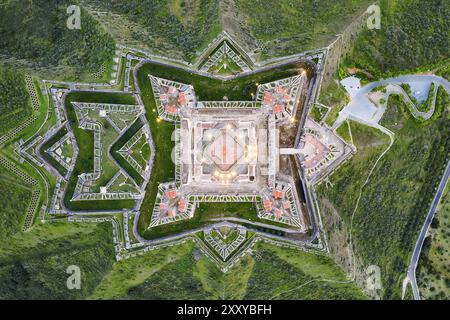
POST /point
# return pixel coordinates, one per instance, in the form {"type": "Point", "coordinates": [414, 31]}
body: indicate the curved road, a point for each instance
{"type": "Point", "coordinates": [417, 249]}
{"type": "Point", "coordinates": [361, 106]}
{"type": "Point", "coordinates": [357, 110]}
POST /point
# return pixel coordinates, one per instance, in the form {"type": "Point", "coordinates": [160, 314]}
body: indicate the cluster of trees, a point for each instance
{"type": "Point", "coordinates": [444, 71]}
{"type": "Point", "coordinates": [298, 25]}
{"type": "Point", "coordinates": [429, 277]}
{"type": "Point", "coordinates": [14, 99]}
{"type": "Point", "coordinates": [195, 23]}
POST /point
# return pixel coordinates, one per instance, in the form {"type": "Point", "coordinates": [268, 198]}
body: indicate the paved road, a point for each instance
{"type": "Point", "coordinates": [403, 79]}
{"type": "Point", "coordinates": [416, 254]}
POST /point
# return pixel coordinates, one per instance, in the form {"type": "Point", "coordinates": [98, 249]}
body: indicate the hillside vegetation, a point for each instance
{"type": "Point", "coordinates": [183, 272]}
{"type": "Point", "coordinates": [175, 28]}
{"type": "Point", "coordinates": [413, 33]}
{"type": "Point", "coordinates": [395, 201]}
{"type": "Point", "coordinates": [433, 270]}
{"type": "Point", "coordinates": [33, 264]}
{"type": "Point", "coordinates": [292, 26]}
{"type": "Point", "coordinates": [15, 104]}
{"type": "Point", "coordinates": [35, 36]}
{"type": "Point", "coordinates": [14, 199]}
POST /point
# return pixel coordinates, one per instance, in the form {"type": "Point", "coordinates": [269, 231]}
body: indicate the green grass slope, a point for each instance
{"type": "Point", "coordinates": [33, 264]}
{"type": "Point", "coordinates": [14, 199]}
{"type": "Point", "coordinates": [183, 272]}
{"type": "Point", "coordinates": [85, 140]}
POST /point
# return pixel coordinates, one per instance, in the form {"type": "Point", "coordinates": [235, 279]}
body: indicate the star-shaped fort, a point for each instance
{"type": "Point", "coordinates": [220, 152]}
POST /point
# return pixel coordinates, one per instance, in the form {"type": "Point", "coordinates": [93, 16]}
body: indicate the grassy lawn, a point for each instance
{"type": "Point", "coordinates": [109, 168]}
{"type": "Point", "coordinates": [120, 143]}
{"type": "Point", "coordinates": [231, 67]}
{"type": "Point", "coordinates": [85, 141]}
{"type": "Point", "coordinates": [163, 167]}
{"type": "Point", "coordinates": [336, 98]}
{"type": "Point", "coordinates": [141, 151]}
{"type": "Point", "coordinates": [333, 115]}
{"type": "Point", "coordinates": [317, 113]}
{"type": "Point", "coordinates": [238, 89]}
{"type": "Point", "coordinates": [344, 132]}
{"type": "Point", "coordinates": [203, 216]}
{"type": "Point", "coordinates": [48, 145]}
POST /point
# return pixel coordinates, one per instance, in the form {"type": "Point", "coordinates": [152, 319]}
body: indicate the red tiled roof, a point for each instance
{"type": "Point", "coordinates": [278, 194]}
{"type": "Point", "coordinates": [267, 205]}
{"type": "Point", "coordinates": [171, 109]}
{"type": "Point", "coordinates": [171, 90]}
{"type": "Point", "coordinates": [267, 97]}
{"type": "Point", "coordinates": [171, 194]}
{"type": "Point", "coordinates": [182, 205]}
{"type": "Point", "coordinates": [277, 108]}
{"type": "Point", "coordinates": [182, 98]}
